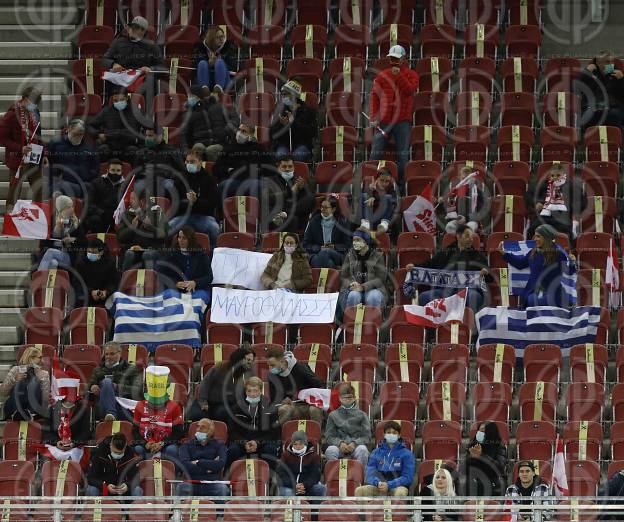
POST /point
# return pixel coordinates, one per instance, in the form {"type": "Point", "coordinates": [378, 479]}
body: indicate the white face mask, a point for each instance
{"type": "Point", "coordinates": [299, 452]}
{"type": "Point", "coordinates": [287, 174]}
{"type": "Point", "coordinates": [289, 249]}
{"type": "Point", "coordinates": [241, 137]}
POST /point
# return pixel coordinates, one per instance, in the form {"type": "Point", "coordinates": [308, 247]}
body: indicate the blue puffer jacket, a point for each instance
{"type": "Point", "coordinates": [395, 465]}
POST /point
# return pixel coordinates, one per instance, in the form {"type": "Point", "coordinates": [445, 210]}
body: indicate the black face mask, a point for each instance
{"type": "Point", "coordinates": [114, 177]}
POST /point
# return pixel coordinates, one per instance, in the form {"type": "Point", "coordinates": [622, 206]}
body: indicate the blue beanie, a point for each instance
{"type": "Point", "coordinates": [362, 234]}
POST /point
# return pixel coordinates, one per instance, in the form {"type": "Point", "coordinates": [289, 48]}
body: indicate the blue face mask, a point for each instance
{"type": "Point", "coordinates": [480, 436]}
{"type": "Point", "coordinates": [192, 101]}
{"type": "Point", "coordinates": [253, 400]}
{"type": "Point", "coordinates": [609, 68]}
{"type": "Point", "coordinates": [32, 107]}
{"type": "Point", "coordinates": [116, 456]}
{"type": "Point", "coordinates": [276, 371]}
{"type": "Point", "coordinates": [120, 105]}
{"type": "Point", "coordinates": [391, 438]}
{"type": "Point", "coordinates": [201, 436]}
{"type": "Point", "coordinates": [92, 257]}
{"type": "Point", "coordinates": [191, 168]}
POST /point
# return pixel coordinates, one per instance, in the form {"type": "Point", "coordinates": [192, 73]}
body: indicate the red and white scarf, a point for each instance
{"type": "Point", "coordinates": [554, 196]}
{"type": "Point", "coordinates": [26, 120]}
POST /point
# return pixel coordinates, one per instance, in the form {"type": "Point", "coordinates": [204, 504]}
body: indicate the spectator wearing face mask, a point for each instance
{"type": "Point", "coordinates": [106, 192]}
{"type": "Point", "coordinates": [215, 59]}
{"type": "Point", "coordinates": [601, 87]}
{"type": "Point", "coordinates": [198, 208]}
{"type": "Point", "coordinates": [348, 430]}
{"type": "Point", "coordinates": [240, 167]}
{"type": "Point", "coordinates": [327, 236]}
{"type": "Point", "coordinates": [203, 458]}
{"type": "Point", "coordinates": [295, 124]}
{"type": "Point", "coordinates": [67, 237]}
{"type": "Point", "coordinates": [116, 129]}
{"type": "Point", "coordinates": [74, 163]}
{"type": "Point", "coordinates": [113, 466]}
{"type": "Point", "coordinates": [97, 274]}
{"type": "Point", "coordinates": [379, 203]}
{"type": "Point", "coordinates": [486, 462]}
{"type": "Point", "coordinates": [19, 127]}
{"type": "Point", "coordinates": [223, 386]}
{"type": "Point", "coordinates": [290, 199]}
{"type": "Point", "coordinates": [288, 268]}
{"type": "Point", "coordinates": [114, 377]}
{"type": "Point", "coordinates": [208, 123]}
{"type": "Point", "coordinates": [299, 469]}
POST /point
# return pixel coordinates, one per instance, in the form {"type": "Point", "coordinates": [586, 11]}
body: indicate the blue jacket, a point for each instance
{"type": "Point", "coordinates": [395, 466]}
{"type": "Point", "coordinates": [211, 459]}
{"type": "Point", "coordinates": [74, 163]}
{"type": "Point", "coordinates": [179, 267]}
{"type": "Point", "coordinates": [544, 285]}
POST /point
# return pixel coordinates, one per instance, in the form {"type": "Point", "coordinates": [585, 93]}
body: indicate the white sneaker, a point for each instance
{"type": "Point", "coordinates": [110, 417]}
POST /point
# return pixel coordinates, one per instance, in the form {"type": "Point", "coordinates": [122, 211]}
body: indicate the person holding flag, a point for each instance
{"type": "Point", "coordinates": [549, 265]}
{"type": "Point", "coordinates": [465, 200]}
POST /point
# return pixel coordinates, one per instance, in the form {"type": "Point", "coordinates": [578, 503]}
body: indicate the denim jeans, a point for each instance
{"type": "Point", "coordinates": [25, 398]}
{"type": "Point", "coordinates": [373, 297]}
{"type": "Point", "coordinates": [169, 452]}
{"type": "Point", "coordinates": [299, 153]}
{"type": "Point", "coordinates": [474, 299]}
{"type": "Point", "coordinates": [202, 490]}
{"type": "Point", "coordinates": [326, 258]}
{"type": "Point", "coordinates": [318, 490]}
{"type": "Point", "coordinates": [53, 258]}
{"type": "Point", "coordinates": [204, 224]}
{"type": "Point", "coordinates": [360, 453]}
{"type": "Point", "coordinates": [107, 402]}
{"type": "Point", "coordinates": [215, 75]}
{"type": "Point", "coordinates": [385, 210]}
{"type": "Point", "coordinates": [142, 258]}
{"type": "Point", "coordinates": [401, 132]}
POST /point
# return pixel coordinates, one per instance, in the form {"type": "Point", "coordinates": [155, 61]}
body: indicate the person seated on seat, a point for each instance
{"type": "Point", "coordinates": [113, 465]}
{"type": "Point", "coordinates": [66, 239]}
{"type": "Point", "coordinates": [348, 430]}
{"type": "Point", "coordinates": [379, 203]}
{"type": "Point", "coordinates": [70, 421]}
{"type": "Point", "coordinates": [26, 388]}
{"type": "Point", "coordinates": [253, 426]}
{"type": "Point", "coordinates": [287, 378]}
{"type": "Point", "coordinates": [299, 469]}
{"type": "Point", "coordinates": [106, 192]}
{"type": "Point", "coordinates": [223, 386]}
{"type": "Point", "coordinates": [290, 199]}
{"type": "Point", "coordinates": [295, 124]}
{"type": "Point", "coordinates": [465, 205]}
{"type": "Point", "coordinates": [391, 466]}
{"type": "Point", "coordinates": [327, 236]}
{"type": "Point", "coordinates": [186, 267]}
{"type": "Point", "coordinates": [158, 421]}
{"type": "Point", "coordinates": [529, 484]}
{"type": "Point", "coordinates": [364, 275]}
{"type": "Point", "coordinates": [210, 125]}
{"type": "Point", "coordinates": [460, 255]}
{"type": "Point", "coordinates": [203, 458]}
{"type": "Point", "coordinates": [142, 232]}
{"type": "Point", "coordinates": [242, 165]}
{"type": "Point", "coordinates": [547, 266]}
{"type": "Point", "coordinates": [440, 494]}
{"type": "Point", "coordinates": [485, 464]}
{"type": "Point", "coordinates": [199, 204]}
{"type": "Point", "coordinates": [288, 268]}
{"type": "Point", "coordinates": [215, 60]}
{"type": "Point", "coordinates": [601, 87]}
{"type": "Point", "coordinates": [74, 162]}
{"type": "Point", "coordinates": [97, 274]}
{"type": "Point", "coordinates": [114, 377]}
{"type": "Point", "coordinates": [115, 128]}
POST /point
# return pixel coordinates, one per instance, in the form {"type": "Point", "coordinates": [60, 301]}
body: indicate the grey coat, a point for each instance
{"type": "Point", "coordinates": [345, 425]}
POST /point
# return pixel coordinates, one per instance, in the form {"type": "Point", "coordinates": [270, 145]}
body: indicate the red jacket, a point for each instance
{"type": "Point", "coordinates": [392, 98]}
{"type": "Point", "coordinates": [13, 139]}
{"type": "Point", "coordinates": [162, 424]}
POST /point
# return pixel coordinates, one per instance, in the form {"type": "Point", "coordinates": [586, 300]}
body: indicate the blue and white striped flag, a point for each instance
{"type": "Point", "coordinates": [538, 324]}
{"type": "Point", "coordinates": [518, 277]}
{"type": "Point", "coordinates": [169, 317]}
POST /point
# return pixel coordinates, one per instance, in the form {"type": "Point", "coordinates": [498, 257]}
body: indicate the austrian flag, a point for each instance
{"type": "Point", "coordinates": [29, 220]}
{"type": "Point", "coordinates": [131, 79]}
{"type": "Point", "coordinates": [438, 311]}
{"type": "Point", "coordinates": [420, 215]}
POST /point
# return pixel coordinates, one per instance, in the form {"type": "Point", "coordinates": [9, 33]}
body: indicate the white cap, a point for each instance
{"type": "Point", "coordinates": [140, 22]}
{"type": "Point", "coordinates": [396, 51]}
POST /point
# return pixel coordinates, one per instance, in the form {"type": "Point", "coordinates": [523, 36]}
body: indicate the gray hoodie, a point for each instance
{"type": "Point", "coordinates": [348, 425]}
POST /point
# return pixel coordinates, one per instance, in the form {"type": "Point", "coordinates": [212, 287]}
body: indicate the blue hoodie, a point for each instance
{"type": "Point", "coordinates": [395, 466]}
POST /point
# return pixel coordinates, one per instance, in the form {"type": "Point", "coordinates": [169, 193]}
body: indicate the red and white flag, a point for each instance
{"type": "Point", "coordinates": [319, 397]}
{"type": "Point", "coordinates": [420, 215]}
{"type": "Point", "coordinates": [29, 219]}
{"type": "Point", "coordinates": [124, 203]}
{"type": "Point", "coordinates": [77, 454]}
{"type": "Point", "coordinates": [131, 79]}
{"type": "Point", "coordinates": [559, 476]}
{"type": "Point", "coordinates": [613, 269]}
{"type": "Point", "coordinates": [63, 383]}
{"type": "Point", "coordinates": [438, 311]}
{"type": "Point", "coordinates": [461, 189]}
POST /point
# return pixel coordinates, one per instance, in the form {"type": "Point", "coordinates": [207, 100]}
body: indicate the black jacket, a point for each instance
{"type": "Point", "coordinates": [75, 248]}
{"type": "Point", "coordinates": [73, 163]}
{"type": "Point", "coordinates": [228, 53]}
{"type": "Point", "coordinates": [97, 275]}
{"type": "Point", "coordinates": [282, 198]}
{"type": "Point", "coordinates": [301, 377]}
{"type": "Point", "coordinates": [105, 196]}
{"type": "Point", "coordinates": [313, 237]}
{"type": "Point", "coordinates": [162, 160]}
{"type": "Point", "coordinates": [194, 267]}
{"type": "Point", "coordinates": [132, 55]}
{"type": "Point", "coordinates": [145, 235]}
{"type": "Point", "coordinates": [599, 91]}
{"type": "Point", "coordinates": [303, 129]}
{"type": "Point", "coordinates": [204, 185]}
{"type": "Point", "coordinates": [452, 258]}
{"type": "Point", "coordinates": [104, 468]}
{"type": "Point", "coordinates": [242, 162]}
{"type": "Point", "coordinates": [294, 469]}
{"type": "Point", "coordinates": [217, 387]}
{"type": "Point", "coordinates": [80, 423]}
{"type": "Point", "coordinates": [210, 459]}
{"type": "Point", "coordinates": [209, 122]}
{"type": "Point", "coordinates": [254, 422]}
{"type": "Point", "coordinates": [127, 377]}
{"type": "Point", "coordinates": [121, 127]}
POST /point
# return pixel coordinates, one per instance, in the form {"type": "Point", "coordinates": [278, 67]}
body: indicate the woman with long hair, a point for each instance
{"type": "Point", "coordinates": [486, 462]}
{"type": "Point", "coordinates": [327, 237]}
{"type": "Point", "coordinates": [440, 492]}
{"type": "Point", "coordinates": [288, 268]}
{"type": "Point", "coordinates": [548, 265]}
{"type": "Point", "coordinates": [214, 58]}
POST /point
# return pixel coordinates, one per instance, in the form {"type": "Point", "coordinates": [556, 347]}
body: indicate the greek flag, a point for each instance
{"type": "Point", "coordinates": [518, 277]}
{"type": "Point", "coordinates": [538, 324]}
{"type": "Point", "coordinates": [169, 317]}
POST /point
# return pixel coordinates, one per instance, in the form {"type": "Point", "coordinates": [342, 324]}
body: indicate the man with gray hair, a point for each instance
{"type": "Point", "coordinates": [74, 163]}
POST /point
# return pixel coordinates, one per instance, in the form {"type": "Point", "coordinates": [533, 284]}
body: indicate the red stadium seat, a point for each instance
{"type": "Point", "coordinates": [484, 11]}
{"type": "Point", "coordinates": [582, 440]}
{"type": "Point", "coordinates": [358, 362]}
{"type": "Point", "coordinates": [523, 41]}
{"type": "Point", "coordinates": [492, 401]}
{"type": "Point", "coordinates": [43, 326]}
{"type": "Point", "coordinates": [414, 247]}
{"type": "Point", "coordinates": [600, 214]}
{"type": "Point", "coordinates": [440, 12]}
{"type": "Point", "coordinates": [82, 359]}
{"type": "Point", "coordinates": [308, 41]}
{"type": "Point", "coordinates": [212, 354]}
{"type": "Point", "coordinates": [519, 74]}
{"type": "Point", "coordinates": [339, 143]}
{"type": "Point", "coordinates": [179, 359]}
{"type": "Point", "coordinates": [139, 282]}
{"type": "Point", "coordinates": [603, 143]}
{"type": "Point", "coordinates": [449, 362]}
{"type": "Point", "coordinates": [266, 41]}
{"type": "Point", "coordinates": [517, 108]}
{"type": "Point", "coordinates": [333, 176]}
{"type": "Point", "coordinates": [456, 332]}
{"type": "Point", "coordinates": [617, 433]}
{"type": "Point", "coordinates": [341, 481]}
{"type": "Point", "coordinates": [19, 438]}
{"type": "Point", "coordinates": [154, 481]}
{"type": "Point", "coordinates": [88, 325]}
{"type": "Point", "coordinates": [588, 363]}
{"type": "Point", "coordinates": [399, 400]}
{"type": "Point", "coordinates": [404, 362]}
{"type": "Point", "coordinates": [560, 73]}
{"type": "Point", "coordinates": [542, 362]}
{"type": "Point", "coordinates": [583, 477]}
{"type": "Point", "coordinates": [496, 363]}
{"type": "Point", "coordinates": [394, 34]}
{"type": "Point", "coordinates": [244, 241]}
{"type": "Point", "coordinates": [343, 108]}
{"type": "Point", "coordinates": [308, 70]}
{"type": "Point", "coordinates": [441, 440]}
{"type": "Point", "coordinates": [101, 12]}
{"type": "Point", "coordinates": [431, 108]}
{"type": "Point", "coordinates": [481, 41]}
{"type": "Point", "coordinates": [261, 75]}
{"type": "Point", "coordinates": [437, 40]}
{"type": "Point", "coordinates": [600, 178]}
{"type": "Point", "coordinates": [560, 109]}
{"type": "Point", "coordinates": [439, 408]}
{"type": "Point", "coordinates": [50, 478]}
{"type": "Point", "coordinates": [535, 440]}
{"type": "Point", "coordinates": [471, 143]}
{"type": "Point", "coordinates": [508, 214]}
{"type": "Point", "coordinates": [474, 108]}
{"type": "Point", "coordinates": [351, 40]}
{"type": "Point", "coordinates": [434, 74]}
{"type": "Point", "coordinates": [269, 333]}
{"type": "Point", "coordinates": [16, 479]}
{"type": "Point", "coordinates": [135, 354]}
{"type": "Point", "coordinates": [256, 108]}
{"type": "Point", "coordinates": [268, 13]}
{"type": "Point", "coordinates": [523, 12]}
{"type": "Point", "coordinates": [428, 142]}
{"type": "Point", "coordinates": [50, 288]}
{"type": "Point", "coordinates": [87, 77]}
{"type": "Point", "coordinates": [241, 214]}
{"type": "Point", "coordinates": [584, 401]}
{"type": "Point", "coordinates": [317, 356]}
{"type": "Point", "coordinates": [477, 75]}
{"type": "Point", "coordinates": [515, 143]}
{"type": "Point", "coordinates": [558, 143]}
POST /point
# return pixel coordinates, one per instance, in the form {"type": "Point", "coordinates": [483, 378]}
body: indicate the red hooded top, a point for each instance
{"type": "Point", "coordinates": [392, 98]}
{"type": "Point", "coordinates": [13, 137]}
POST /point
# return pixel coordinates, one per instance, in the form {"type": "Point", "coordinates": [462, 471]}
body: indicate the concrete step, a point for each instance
{"type": "Point", "coordinates": [14, 278]}
{"type": "Point", "coordinates": [7, 354]}
{"type": "Point", "coordinates": [36, 50]}
{"type": "Point", "coordinates": [48, 15]}
{"type": "Point", "coordinates": [12, 298]}
{"type": "Point", "coordinates": [38, 32]}
{"type": "Point", "coordinates": [49, 102]}
{"type": "Point", "coordinates": [10, 335]}
{"type": "Point", "coordinates": [4, 190]}
{"type": "Point", "coordinates": [27, 67]}
{"type": "Point", "coordinates": [47, 85]}
{"type": "Point", "coordinates": [19, 261]}
{"type": "Point", "coordinates": [15, 245]}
